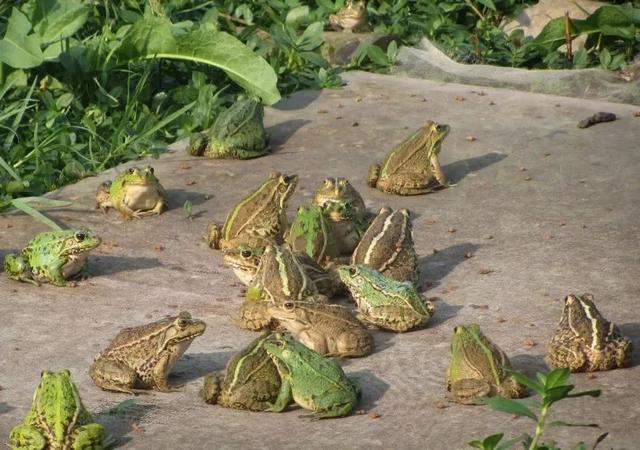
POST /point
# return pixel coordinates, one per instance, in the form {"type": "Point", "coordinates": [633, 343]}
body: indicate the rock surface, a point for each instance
{"type": "Point", "coordinates": [540, 209]}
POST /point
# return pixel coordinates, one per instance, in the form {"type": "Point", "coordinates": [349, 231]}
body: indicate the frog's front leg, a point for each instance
{"type": "Point", "coordinates": [27, 438]}
{"type": "Point", "coordinates": [437, 172]}
{"type": "Point", "coordinates": [284, 397]}
{"type": "Point", "coordinates": [161, 373]}
{"type": "Point", "coordinates": [55, 275]}
{"type": "Point", "coordinates": [89, 437]}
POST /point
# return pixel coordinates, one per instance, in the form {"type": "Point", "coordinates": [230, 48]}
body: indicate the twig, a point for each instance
{"type": "Point", "coordinates": [475, 10]}
{"type": "Point", "coordinates": [567, 35]}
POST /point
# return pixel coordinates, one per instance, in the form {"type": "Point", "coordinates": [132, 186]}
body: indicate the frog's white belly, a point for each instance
{"type": "Point", "coordinates": [141, 197]}
{"type": "Point", "coordinates": [74, 265]}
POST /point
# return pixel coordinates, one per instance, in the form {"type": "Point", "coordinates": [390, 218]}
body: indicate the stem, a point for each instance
{"type": "Point", "coordinates": [475, 10]}
{"type": "Point", "coordinates": [539, 427]}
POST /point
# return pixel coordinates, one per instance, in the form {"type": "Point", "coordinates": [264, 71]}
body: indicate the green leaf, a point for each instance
{"type": "Point", "coordinates": [508, 405]}
{"type": "Point", "coordinates": [63, 20]}
{"type": "Point", "coordinates": [527, 381]}
{"type": "Point", "coordinates": [557, 377]}
{"type": "Point", "coordinates": [121, 407]}
{"type": "Point", "coordinates": [297, 15]}
{"type": "Point", "coordinates": [151, 38]}
{"type": "Point", "coordinates": [489, 4]}
{"type": "Point", "coordinates": [377, 55]}
{"type": "Point", "coordinates": [18, 49]}
{"type": "Point", "coordinates": [605, 58]}
{"type": "Point", "coordinates": [552, 35]}
{"type": "Point", "coordinates": [561, 423]}
{"type": "Point", "coordinates": [557, 393]}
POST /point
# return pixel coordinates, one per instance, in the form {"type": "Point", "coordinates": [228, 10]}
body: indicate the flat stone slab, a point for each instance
{"type": "Point", "coordinates": [540, 209]}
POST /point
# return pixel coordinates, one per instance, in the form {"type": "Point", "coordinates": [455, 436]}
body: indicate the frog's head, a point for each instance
{"type": "Point", "coordinates": [180, 329]}
{"type": "Point", "coordinates": [356, 276]}
{"type": "Point", "coordinates": [140, 176]}
{"type": "Point", "coordinates": [74, 242]}
{"type": "Point", "coordinates": [282, 186]}
{"type": "Point", "coordinates": [244, 259]}
{"type": "Point", "coordinates": [435, 135]}
{"type": "Point", "coordinates": [279, 346]}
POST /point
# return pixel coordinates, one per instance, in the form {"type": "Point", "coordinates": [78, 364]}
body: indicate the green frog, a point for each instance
{"type": "Point", "coordinates": [312, 381]}
{"type": "Point", "coordinates": [346, 212]}
{"type": "Point", "coordinates": [237, 132]}
{"type": "Point", "coordinates": [384, 302]}
{"type": "Point", "coordinates": [310, 232]}
{"type": "Point", "coordinates": [478, 367]}
{"type": "Point", "coordinates": [387, 246]}
{"type": "Point", "coordinates": [413, 167]}
{"type": "Point", "coordinates": [142, 357]}
{"type": "Point", "coordinates": [136, 193]}
{"type": "Point", "coordinates": [331, 330]}
{"type": "Point", "coordinates": [585, 341]}
{"type": "Point", "coordinates": [57, 419]}
{"type": "Point", "coordinates": [52, 256]}
{"type": "Point", "coordinates": [279, 277]}
{"type": "Point", "coordinates": [259, 218]}
{"type": "Point", "coordinates": [251, 380]}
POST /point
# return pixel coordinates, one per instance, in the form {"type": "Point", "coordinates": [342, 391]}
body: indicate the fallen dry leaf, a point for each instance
{"type": "Point", "coordinates": [492, 103]}
{"type": "Point", "coordinates": [452, 230]}
{"type": "Point", "coordinates": [158, 247]}
{"type": "Point", "coordinates": [374, 415]}
{"type": "Point", "coordinates": [322, 111]}
{"type": "Point", "coordinates": [135, 426]}
{"type": "Point", "coordinates": [190, 182]}
{"type": "Point", "coordinates": [358, 99]}
{"type": "Point", "coordinates": [489, 236]}
{"type": "Point", "coordinates": [529, 343]}
{"type": "Point", "coordinates": [459, 98]}
{"type": "Point", "coordinates": [486, 271]}
{"type": "Point", "coordinates": [591, 375]}
{"type": "Point", "coordinates": [501, 320]}
{"type": "Point", "coordinates": [185, 166]}
{"type": "Point", "coordinates": [468, 255]}
{"type": "Point", "coordinates": [523, 169]}
{"type": "Point", "coordinates": [528, 178]}
{"type": "Point", "coordinates": [470, 138]}
{"type": "Point", "coordinates": [355, 124]}
{"type": "Point", "coordinates": [441, 404]}
{"type": "Point", "coordinates": [474, 306]}
{"type": "Point", "coordinates": [361, 412]}
{"type": "Point", "coordinates": [636, 114]}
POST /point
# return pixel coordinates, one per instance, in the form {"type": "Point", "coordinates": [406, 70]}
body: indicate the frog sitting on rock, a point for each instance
{"type": "Point", "coordinates": [52, 257]}
{"type": "Point", "coordinates": [136, 193]}
{"type": "Point", "coordinates": [237, 132]}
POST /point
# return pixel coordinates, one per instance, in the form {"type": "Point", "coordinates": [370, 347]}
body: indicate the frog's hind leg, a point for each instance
{"type": "Point", "coordinates": [27, 437]}
{"type": "Point", "coordinates": [112, 375]}
{"type": "Point", "coordinates": [89, 436]}
{"type": "Point", "coordinates": [339, 410]}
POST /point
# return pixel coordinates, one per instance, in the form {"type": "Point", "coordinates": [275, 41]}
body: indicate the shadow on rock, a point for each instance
{"type": "Point", "coordinates": [5, 408]}
{"type": "Point", "coordinates": [302, 99]}
{"type": "Point", "coordinates": [196, 365]}
{"type": "Point", "coordinates": [632, 331]}
{"type": "Point", "coordinates": [443, 312]}
{"type": "Point", "coordinates": [456, 171]}
{"type": "Point", "coordinates": [436, 266]}
{"type": "Point", "coordinates": [119, 420]}
{"type": "Point", "coordinates": [372, 387]}
{"type": "Point", "coordinates": [177, 197]}
{"type": "Point", "coordinates": [529, 364]}
{"type": "Point", "coordinates": [109, 265]}
{"type": "Point", "coordinates": [281, 132]}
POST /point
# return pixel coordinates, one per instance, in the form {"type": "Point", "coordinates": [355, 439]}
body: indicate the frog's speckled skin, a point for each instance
{"type": "Point", "coordinates": [237, 132]}
{"type": "Point", "coordinates": [57, 419]}
{"type": "Point", "coordinates": [52, 256]}
{"type": "Point", "coordinates": [314, 382]}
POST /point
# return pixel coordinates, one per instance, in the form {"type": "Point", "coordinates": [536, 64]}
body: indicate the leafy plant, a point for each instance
{"type": "Point", "coordinates": [188, 209]}
{"type": "Point", "coordinates": [550, 388]}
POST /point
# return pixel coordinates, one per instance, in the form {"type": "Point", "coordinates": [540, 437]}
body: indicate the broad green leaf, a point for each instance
{"type": "Point", "coordinates": [151, 38]}
{"type": "Point", "coordinates": [377, 55]}
{"type": "Point", "coordinates": [513, 441]}
{"type": "Point", "coordinates": [62, 21]}
{"type": "Point", "coordinates": [311, 37]}
{"type": "Point", "coordinates": [508, 405]}
{"type": "Point", "coordinates": [489, 4]}
{"type": "Point", "coordinates": [557, 377]}
{"type": "Point", "coordinates": [552, 35]}
{"type": "Point", "coordinates": [528, 382]}
{"type": "Point", "coordinates": [297, 15]}
{"type": "Point", "coordinates": [556, 393]}
{"type": "Point", "coordinates": [605, 58]}
{"type": "Point", "coordinates": [18, 49]}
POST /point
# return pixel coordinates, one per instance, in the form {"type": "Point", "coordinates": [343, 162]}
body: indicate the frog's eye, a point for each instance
{"type": "Point", "coordinates": [182, 322]}
{"type": "Point", "coordinates": [352, 271]}
{"type": "Point", "coordinates": [80, 236]}
{"type": "Point", "coordinates": [246, 253]}
{"type": "Point", "coordinates": [289, 306]}
{"type": "Point", "coordinates": [279, 343]}
{"type": "Point", "coordinates": [150, 170]}
{"type": "Point", "coordinates": [344, 182]}
{"type": "Point", "coordinates": [131, 171]}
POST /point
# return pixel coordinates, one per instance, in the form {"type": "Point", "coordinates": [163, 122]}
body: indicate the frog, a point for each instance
{"type": "Point", "coordinates": [52, 257]}
{"type": "Point", "coordinates": [346, 212]}
{"type": "Point", "coordinates": [413, 167]}
{"type": "Point", "coordinates": [251, 380]}
{"type": "Point", "coordinates": [478, 367]}
{"type": "Point", "coordinates": [238, 132]}
{"type": "Point", "coordinates": [57, 418]}
{"type": "Point", "coordinates": [279, 277]}
{"type": "Point", "coordinates": [331, 330]}
{"type": "Point", "coordinates": [312, 381]}
{"type": "Point", "coordinates": [244, 260]}
{"type": "Point", "coordinates": [384, 302]}
{"type": "Point", "coordinates": [258, 218]}
{"type": "Point", "coordinates": [135, 193]}
{"type": "Point", "coordinates": [585, 341]}
{"type": "Point", "coordinates": [387, 246]}
{"type": "Point", "coordinates": [310, 232]}
{"type": "Point", "coordinates": [352, 15]}
{"type": "Point", "coordinates": [141, 357]}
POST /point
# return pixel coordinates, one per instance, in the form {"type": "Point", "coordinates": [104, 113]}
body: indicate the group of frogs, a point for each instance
{"type": "Point", "coordinates": [291, 271]}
